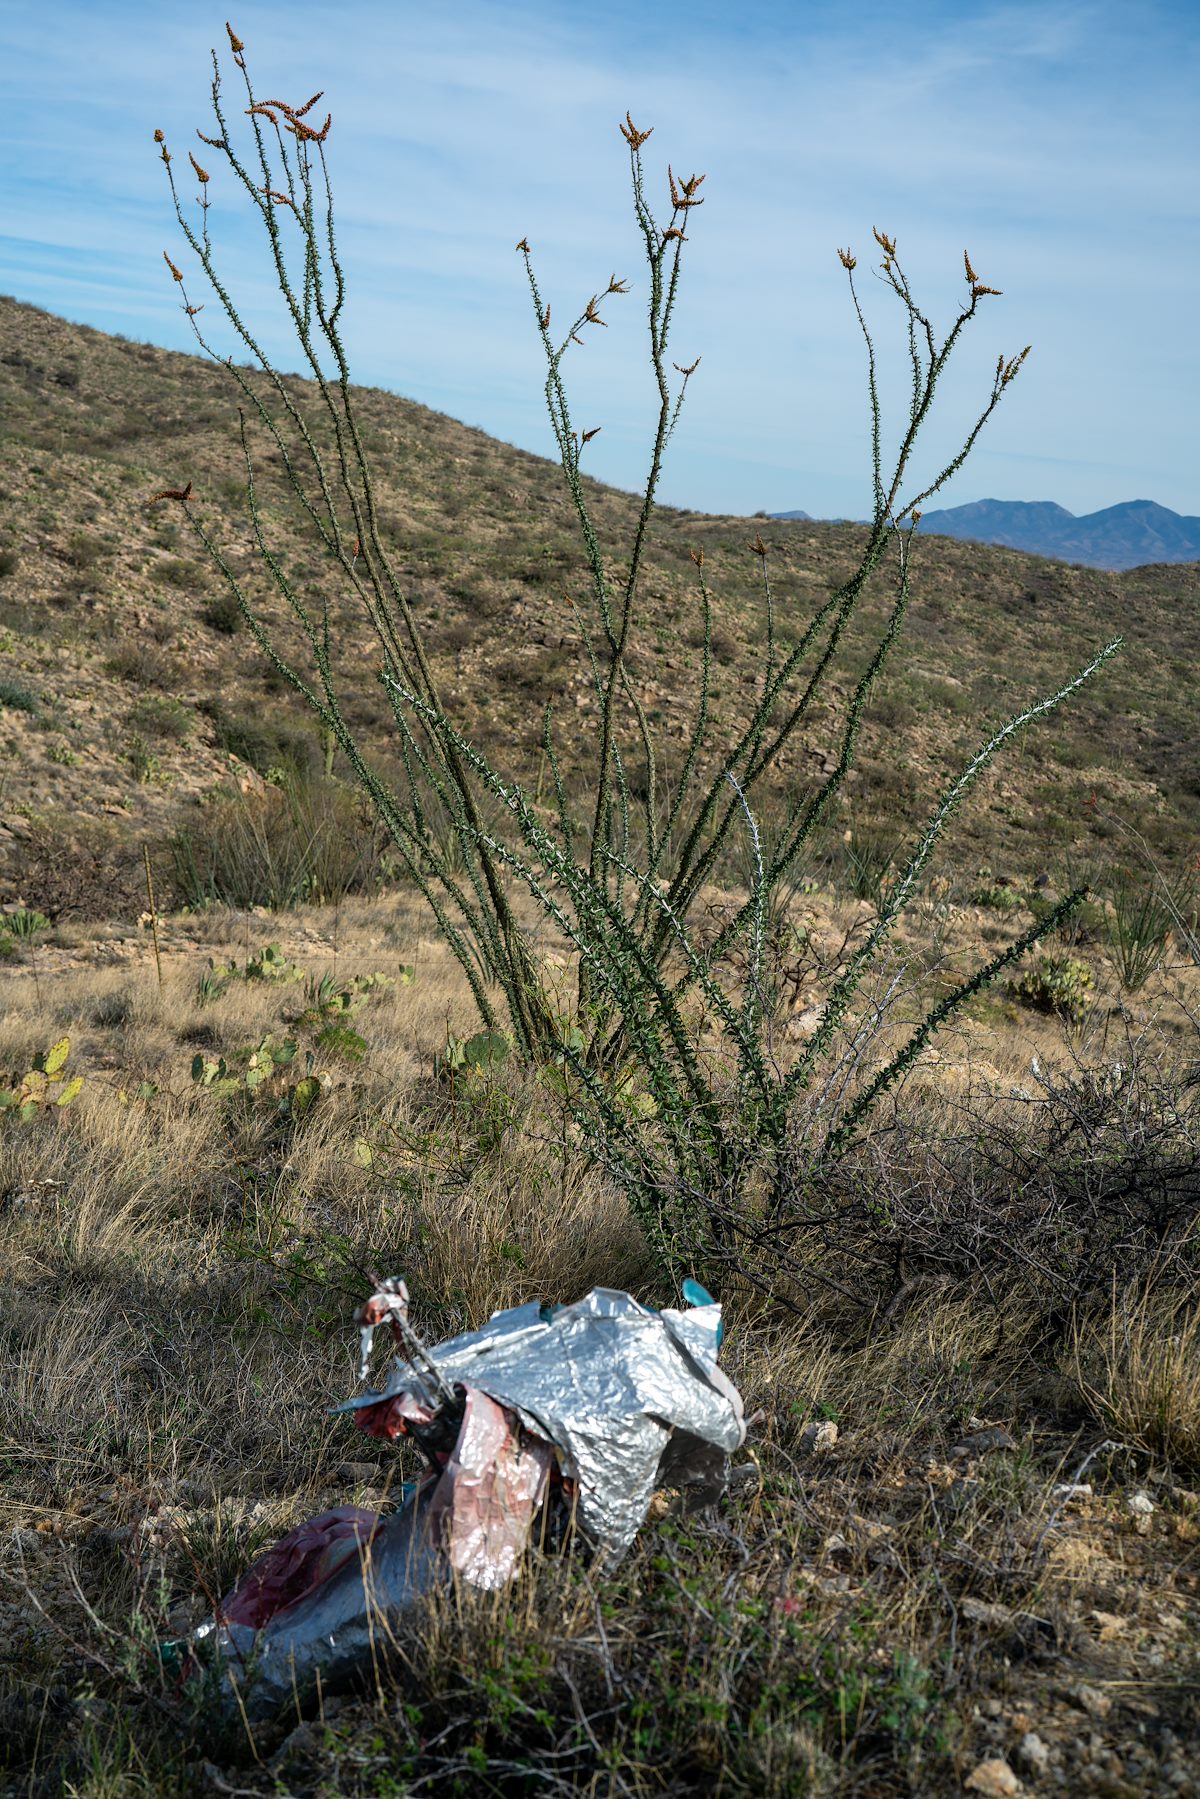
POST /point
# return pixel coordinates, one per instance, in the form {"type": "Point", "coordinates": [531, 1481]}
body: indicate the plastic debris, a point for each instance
{"type": "Point", "coordinates": [545, 1423]}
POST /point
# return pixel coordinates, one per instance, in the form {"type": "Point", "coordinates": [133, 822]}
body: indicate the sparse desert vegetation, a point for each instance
{"type": "Point", "coordinates": [992, 1555]}
{"type": "Point", "coordinates": [697, 926]}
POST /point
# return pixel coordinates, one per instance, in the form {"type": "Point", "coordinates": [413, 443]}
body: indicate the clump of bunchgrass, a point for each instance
{"type": "Point", "coordinates": [1141, 1375]}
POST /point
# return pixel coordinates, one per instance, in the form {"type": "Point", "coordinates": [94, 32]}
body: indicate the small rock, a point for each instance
{"type": "Point", "coordinates": [357, 1472]}
{"type": "Point", "coordinates": [818, 1439]}
{"type": "Point", "coordinates": [1095, 1703]}
{"type": "Point", "coordinates": [297, 1748]}
{"type": "Point", "coordinates": [1073, 1489]}
{"type": "Point", "coordinates": [993, 1778]}
{"type": "Point", "coordinates": [985, 1611]}
{"type": "Point", "coordinates": [1140, 1504]}
{"type": "Point", "coordinates": [1033, 1753]}
{"type": "Point", "coordinates": [981, 1441]}
{"type": "Point", "coordinates": [745, 1475]}
{"type": "Point", "coordinates": [806, 1023]}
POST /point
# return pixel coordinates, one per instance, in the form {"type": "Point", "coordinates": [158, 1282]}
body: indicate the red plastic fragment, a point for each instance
{"type": "Point", "coordinates": [297, 1565]}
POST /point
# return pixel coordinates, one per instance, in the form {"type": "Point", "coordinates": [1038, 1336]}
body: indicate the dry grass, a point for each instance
{"type": "Point", "coordinates": [1143, 1376]}
{"type": "Point", "coordinates": [871, 1619]}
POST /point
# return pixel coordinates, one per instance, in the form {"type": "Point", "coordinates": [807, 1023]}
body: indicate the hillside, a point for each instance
{"type": "Point", "coordinates": [129, 684]}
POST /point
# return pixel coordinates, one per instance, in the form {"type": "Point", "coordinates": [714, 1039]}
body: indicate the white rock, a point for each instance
{"type": "Point", "coordinates": [819, 1438]}
{"type": "Point", "coordinates": [994, 1778]}
{"type": "Point", "coordinates": [1034, 1753]}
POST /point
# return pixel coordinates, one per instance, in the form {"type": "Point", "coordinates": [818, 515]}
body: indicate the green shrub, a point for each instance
{"type": "Point", "coordinates": [265, 742]}
{"type": "Point", "coordinates": [871, 860]}
{"type": "Point", "coordinates": [1056, 984]}
{"type": "Point", "coordinates": [222, 613]}
{"type": "Point", "coordinates": [1143, 912]}
{"type": "Point", "coordinates": [304, 841]}
{"type": "Point", "coordinates": [25, 923]}
{"type": "Point", "coordinates": [999, 895]}
{"type": "Point", "coordinates": [16, 698]}
{"type": "Point", "coordinates": [144, 763]}
{"type": "Point", "coordinates": [177, 572]}
{"type": "Point", "coordinates": [161, 717]}
{"type": "Point", "coordinates": [84, 550]}
{"type": "Point", "coordinates": [144, 663]}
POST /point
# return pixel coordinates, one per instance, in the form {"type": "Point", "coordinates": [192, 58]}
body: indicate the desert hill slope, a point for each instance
{"type": "Point", "coordinates": [129, 689]}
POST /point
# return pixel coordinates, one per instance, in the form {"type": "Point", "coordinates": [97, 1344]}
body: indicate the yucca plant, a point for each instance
{"type": "Point", "coordinates": [1142, 919]}
{"type": "Point", "coordinates": [718, 1148]}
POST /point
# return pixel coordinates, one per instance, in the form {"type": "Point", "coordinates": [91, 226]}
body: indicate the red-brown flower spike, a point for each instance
{"type": "Point", "coordinates": [886, 244]}
{"type": "Point", "coordinates": [691, 368]}
{"type": "Point", "coordinates": [590, 313]}
{"type": "Point", "coordinates": [308, 105]}
{"type": "Point", "coordinates": [546, 317]}
{"type": "Point", "coordinates": [698, 558]}
{"type": "Point", "coordinates": [633, 137]}
{"type": "Point", "coordinates": [159, 137]}
{"type": "Point", "coordinates": [847, 261]}
{"type": "Point", "coordinates": [217, 143]}
{"type": "Point", "coordinates": [616, 287]}
{"type": "Point", "coordinates": [1009, 369]}
{"type": "Point", "coordinates": [178, 273]}
{"type": "Point", "coordinates": [306, 132]}
{"type": "Point", "coordinates": [201, 174]}
{"type": "Point", "coordinates": [684, 195]}
{"type": "Point", "coordinates": [235, 42]}
{"type": "Point", "coordinates": [594, 432]}
{"type": "Point", "coordinates": [758, 546]}
{"type": "Point", "coordinates": [182, 494]}
{"type": "Point", "coordinates": [673, 232]}
{"type": "Point", "coordinates": [978, 290]}
{"type": "Point", "coordinates": [523, 246]}
{"type": "Point", "coordinates": [972, 277]}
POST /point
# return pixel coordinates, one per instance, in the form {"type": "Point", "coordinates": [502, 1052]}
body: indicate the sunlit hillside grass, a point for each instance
{"type": "Point", "coordinates": [970, 1564]}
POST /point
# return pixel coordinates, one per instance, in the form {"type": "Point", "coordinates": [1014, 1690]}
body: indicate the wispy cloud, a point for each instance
{"type": "Point", "coordinates": [1056, 141]}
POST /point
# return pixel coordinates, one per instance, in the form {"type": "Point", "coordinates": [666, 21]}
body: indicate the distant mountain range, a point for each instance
{"type": "Point", "coordinates": [1126, 536]}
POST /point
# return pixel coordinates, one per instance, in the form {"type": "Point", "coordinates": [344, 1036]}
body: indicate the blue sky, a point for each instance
{"type": "Point", "coordinates": [1057, 142]}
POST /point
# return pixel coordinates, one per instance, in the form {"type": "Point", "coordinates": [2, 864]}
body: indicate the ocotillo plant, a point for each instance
{"type": "Point", "coordinates": [705, 1140]}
